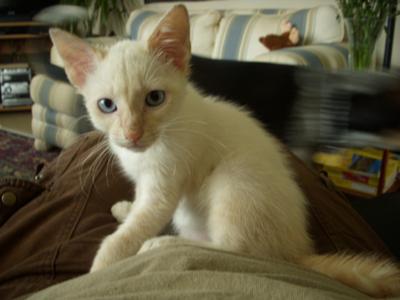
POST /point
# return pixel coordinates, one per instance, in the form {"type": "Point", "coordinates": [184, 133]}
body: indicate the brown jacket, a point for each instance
{"type": "Point", "coordinates": [51, 231]}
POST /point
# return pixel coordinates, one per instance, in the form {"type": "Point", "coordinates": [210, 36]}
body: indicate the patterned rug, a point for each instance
{"type": "Point", "coordinates": [18, 158]}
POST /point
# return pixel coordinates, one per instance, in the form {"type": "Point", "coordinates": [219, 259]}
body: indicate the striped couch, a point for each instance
{"type": "Point", "coordinates": [219, 30]}
{"type": "Point", "coordinates": [222, 32]}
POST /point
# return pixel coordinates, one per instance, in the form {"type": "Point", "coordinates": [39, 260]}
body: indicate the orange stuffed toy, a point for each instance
{"type": "Point", "coordinates": [290, 37]}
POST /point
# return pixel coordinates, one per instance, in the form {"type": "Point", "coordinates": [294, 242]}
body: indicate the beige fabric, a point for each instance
{"type": "Point", "coordinates": [182, 271]}
{"type": "Point", "coordinates": [244, 5]}
{"type": "Point", "coordinates": [41, 145]}
{"type": "Point", "coordinates": [316, 25]}
{"type": "Point", "coordinates": [52, 135]}
{"type": "Point", "coordinates": [57, 96]}
{"type": "Point", "coordinates": [203, 27]}
{"type": "Point", "coordinates": [234, 33]}
{"type": "Point", "coordinates": [211, 22]}
{"type": "Point", "coordinates": [259, 25]}
{"type": "Point", "coordinates": [63, 121]}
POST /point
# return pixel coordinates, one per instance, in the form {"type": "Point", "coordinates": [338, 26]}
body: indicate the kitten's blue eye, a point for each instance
{"type": "Point", "coordinates": [155, 98]}
{"type": "Point", "coordinates": [106, 105]}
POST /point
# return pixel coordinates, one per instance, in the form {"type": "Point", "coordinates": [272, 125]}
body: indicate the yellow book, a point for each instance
{"type": "Point", "coordinates": [358, 169]}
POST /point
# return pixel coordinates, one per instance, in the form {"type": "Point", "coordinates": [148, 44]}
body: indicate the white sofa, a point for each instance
{"type": "Point", "coordinates": [231, 30]}
{"type": "Point", "coordinates": [220, 30]}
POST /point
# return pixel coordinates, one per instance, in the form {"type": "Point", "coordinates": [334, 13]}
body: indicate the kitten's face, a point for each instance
{"type": "Point", "coordinates": [132, 94]}
{"type": "Point", "coordinates": [134, 88]}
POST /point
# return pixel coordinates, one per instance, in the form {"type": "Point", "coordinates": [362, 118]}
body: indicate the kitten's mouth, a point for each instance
{"type": "Point", "coordinates": [138, 147]}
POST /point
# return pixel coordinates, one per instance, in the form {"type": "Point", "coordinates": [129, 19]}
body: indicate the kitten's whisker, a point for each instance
{"type": "Point", "coordinates": [152, 69]}
{"type": "Point", "coordinates": [93, 151]}
{"type": "Point", "coordinates": [191, 156]}
{"type": "Point", "coordinates": [182, 120]}
{"type": "Point", "coordinates": [187, 118]}
{"type": "Point", "coordinates": [100, 159]}
{"type": "Point", "coordinates": [83, 118]}
{"type": "Point", "coordinates": [182, 157]}
{"type": "Point", "coordinates": [202, 134]}
{"type": "Point", "coordinates": [98, 163]}
{"type": "Point", "coordinates": [109, 163]}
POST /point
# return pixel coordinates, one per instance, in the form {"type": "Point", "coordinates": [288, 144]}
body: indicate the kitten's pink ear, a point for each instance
{"type": "Point", "coordinates": [79, 57]}
{"type": "Point", "coordinates": [171, 37]}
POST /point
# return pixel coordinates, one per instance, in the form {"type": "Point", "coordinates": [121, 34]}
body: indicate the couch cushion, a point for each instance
{"type": "Point", "coordinates": [204, 28]}
{"type": "Point", "coordinates": [49, 116]}
{"type": "Point", "coordinates": [51, 135]}
{"type": "Point", "coordinates": [58, 96]}
{"type": "Point", "coordinates": [238, 34]}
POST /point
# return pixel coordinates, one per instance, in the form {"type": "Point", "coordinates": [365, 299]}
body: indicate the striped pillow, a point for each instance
{"type": "Point", "coordinates": [52, 117]}
{"type": "Point", "coordinates": [56, 95]}
{"type": "Point", "coordinates": [41, 145]}
{"type": "Point", "coordinates": [203, 27]}
{"type": "Point", "coordinates": [141, 23]}
{"type": "Point", "coordinates": [238, 35]}
{"type": "Point", "coordinates": [51, 135]}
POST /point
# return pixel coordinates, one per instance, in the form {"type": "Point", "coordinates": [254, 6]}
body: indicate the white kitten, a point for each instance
{"type": "Point", "coordinates": [203, 162]}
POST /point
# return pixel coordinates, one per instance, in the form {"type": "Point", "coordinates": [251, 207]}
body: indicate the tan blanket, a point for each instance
{"type": "Point", "coordinates": [183, 271]}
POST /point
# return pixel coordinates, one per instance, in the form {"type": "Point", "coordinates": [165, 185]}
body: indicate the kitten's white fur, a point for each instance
{"type": "Point", "coordinates": [202, 161]}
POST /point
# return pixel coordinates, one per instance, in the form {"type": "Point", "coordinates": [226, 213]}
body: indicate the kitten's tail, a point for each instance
{"type": "Point", "coordinates": [370, 275]}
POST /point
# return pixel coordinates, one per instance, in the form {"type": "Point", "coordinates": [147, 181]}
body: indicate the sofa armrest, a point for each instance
{"type": "Point", "coordinates": [321, 56]}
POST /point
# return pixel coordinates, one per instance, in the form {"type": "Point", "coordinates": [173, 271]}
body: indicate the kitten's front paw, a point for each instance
{"type": "Point", "coordinates": [104, 256]}
{"type": "Point", "coordinates": [160, 241]}
{"type": "Point", "coordinates": [120, 210]}
{"type": "Point", "coordinates": [99, 263]}
{"type": "Point", "coordinates": [114, 248]}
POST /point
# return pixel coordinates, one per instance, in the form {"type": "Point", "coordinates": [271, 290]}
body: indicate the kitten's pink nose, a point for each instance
{"type": "Point", "coordinates": [134, 135]}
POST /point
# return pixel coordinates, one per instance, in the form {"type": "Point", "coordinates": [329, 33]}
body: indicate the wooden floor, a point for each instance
{"type": "Point", "coordinates": [17, 122]}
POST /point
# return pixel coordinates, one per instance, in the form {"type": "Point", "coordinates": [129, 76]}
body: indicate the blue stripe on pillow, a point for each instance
{"type": "Point", "coordinates": [80, 108]}
{"type": "Point", "coordinates": [137, 22]}
{"type": "Point", "coordinates": [341, 49]}
{"type": "Point", "coordinates": [298, 19]}
{"type": "Point", "coordinates": [45, 92]}
{"type": "Point", "coordinates": [269, 11]}
{"type": "Point", "coordinates": [50, 116]}
{"type": "Point", "coordinates": [82, 124]}
{"type": "Point", "coordinates": [50, 134]}
{"type": "Point", "coordinates": [312, 59]}
{"type": "Point", "coordinates": [234, 36]}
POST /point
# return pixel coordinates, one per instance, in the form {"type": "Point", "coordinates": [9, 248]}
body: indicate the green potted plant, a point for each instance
{"type": "Point", "coordinates": [104, 17]}
{"type": "Point", "coordinates": [364, 20]}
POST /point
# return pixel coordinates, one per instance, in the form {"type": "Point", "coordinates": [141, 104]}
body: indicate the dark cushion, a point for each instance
{"type": "Point", "coordinates": [267, 90]}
